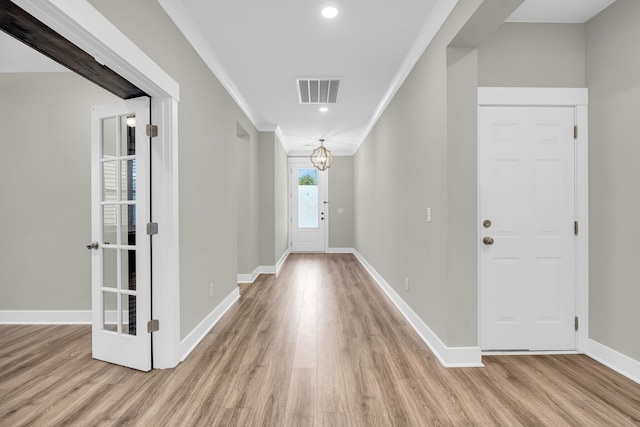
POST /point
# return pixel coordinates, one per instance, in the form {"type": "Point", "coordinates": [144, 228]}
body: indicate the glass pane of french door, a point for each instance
{"type": "Point", "coordinates": [118, 243]}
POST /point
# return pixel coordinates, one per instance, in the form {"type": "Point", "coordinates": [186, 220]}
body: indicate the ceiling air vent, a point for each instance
{"type": "Point", "coordinates": [316, 91]}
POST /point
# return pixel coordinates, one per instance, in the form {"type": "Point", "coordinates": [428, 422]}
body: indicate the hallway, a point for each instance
{"type": "Point", "coordinates": [319, 344]}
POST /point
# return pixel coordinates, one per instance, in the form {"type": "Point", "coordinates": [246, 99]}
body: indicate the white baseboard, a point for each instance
{"type": "Point", "coordinates": [341, 251]}
{"type": "Point", "coordinates": [281, 261]}
{"type": "Point", "coordinates": [249, 278]}
{"type": "Point", "coordinates": [528, 353]}
{"type": "Point", "coordinates": [45, 317]}
{"type": "Point", "coordinates": [193, 339]}
{"type": "Point", "coordinates": [450, 357]}
{"type": "Point", "coordinates": [615, 360]}
{"type": "Point", "coordinates": [263, 269]}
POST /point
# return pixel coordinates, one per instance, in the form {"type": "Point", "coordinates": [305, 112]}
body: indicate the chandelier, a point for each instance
{"type": "Point", "coordinates": [321, 157]}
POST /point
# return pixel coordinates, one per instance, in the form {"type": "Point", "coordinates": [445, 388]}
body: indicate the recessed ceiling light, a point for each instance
{"type": "Point", "coordinates": [330, 12]}
{"type": "Point", "coordinates": [324, 109]}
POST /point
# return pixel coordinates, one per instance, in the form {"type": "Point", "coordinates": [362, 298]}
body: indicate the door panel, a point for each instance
{"type": "Point", "coordinates": [121, 266]}
{"type": "Point", "coordinates": [309, 208]}
{"type": "Point", "coordinates": [527, 191]}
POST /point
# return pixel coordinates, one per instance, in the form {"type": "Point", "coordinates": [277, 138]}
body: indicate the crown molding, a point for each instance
{"type": "Point", "coordinates": [441, 11]}
{"type": "Point", "coordinates": [194, 36]}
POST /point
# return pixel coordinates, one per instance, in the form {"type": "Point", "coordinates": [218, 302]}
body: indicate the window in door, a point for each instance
{"type": "Point", "coordinates": [307, 198]}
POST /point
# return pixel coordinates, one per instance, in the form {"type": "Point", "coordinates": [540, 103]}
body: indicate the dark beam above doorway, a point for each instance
{"type": "Point", "coordinates": [24, 27]}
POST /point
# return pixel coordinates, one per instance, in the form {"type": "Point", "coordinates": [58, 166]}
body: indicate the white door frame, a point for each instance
{"type": "Point", "coordinates": [555, 97]}
{"type": "Point", "coordinates": [325, 194]}
{"type": "Point", "coordinates": [84, 26]}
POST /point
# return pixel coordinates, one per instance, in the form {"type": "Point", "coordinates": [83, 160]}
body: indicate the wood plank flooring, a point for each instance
{"type": "Point", "coordinates": [318, 345]}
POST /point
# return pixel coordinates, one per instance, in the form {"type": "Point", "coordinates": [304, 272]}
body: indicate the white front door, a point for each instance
{"type": "Point", "coordinates": [527, 241]}
{"type": "Point", "coordinates": [121, 256]}
{"type": "Point", "coordinates": [309, 206]}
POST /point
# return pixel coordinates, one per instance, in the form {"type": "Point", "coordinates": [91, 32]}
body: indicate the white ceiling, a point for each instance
{"type": "Point", "coordinates": [259, 48]}
{"type": "Point", "coordinates": [558, 11]}
{"type": "Point", "coordinates": [266, 45]}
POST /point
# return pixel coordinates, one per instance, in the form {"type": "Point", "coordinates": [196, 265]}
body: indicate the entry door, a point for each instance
{"type": "Point", "coordinates": [527, 241]}
{"type": "Point", "coordinates": [309, 206]}
{"type": "Point", "coordinates": [121, 266]}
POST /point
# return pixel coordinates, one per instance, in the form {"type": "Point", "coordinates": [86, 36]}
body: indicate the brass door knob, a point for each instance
{"type": "Point", "coordinates": [488, 241]}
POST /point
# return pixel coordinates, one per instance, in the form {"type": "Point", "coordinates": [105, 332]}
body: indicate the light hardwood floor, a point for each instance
{"type": "Point", "coordinates": [318, 345]}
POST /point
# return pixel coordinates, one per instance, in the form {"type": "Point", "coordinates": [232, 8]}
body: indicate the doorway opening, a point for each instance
{"type": "Point", "coordinates": [40, 25]}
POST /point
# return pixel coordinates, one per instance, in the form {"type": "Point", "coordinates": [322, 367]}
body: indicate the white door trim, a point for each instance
{"type": "Point", "coordinates": [533, 96]}
{"type": "Point", "coordinates": [84, 26]}
{"type": "Point", "coordinates": [571, 97]}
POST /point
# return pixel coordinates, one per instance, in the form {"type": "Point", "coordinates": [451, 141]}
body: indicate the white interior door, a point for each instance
{"type": "Point", "coordinates": [309, 206]}
{"type": "Point", "coordinates": [121, 263]}
{"type": "Point", "coordinates": [527, 214]}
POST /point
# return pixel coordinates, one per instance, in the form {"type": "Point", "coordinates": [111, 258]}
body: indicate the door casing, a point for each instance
{"type": "Point", "coordinates": [83, 25]}
{"type": "Point", "coordinates": [549, 97]}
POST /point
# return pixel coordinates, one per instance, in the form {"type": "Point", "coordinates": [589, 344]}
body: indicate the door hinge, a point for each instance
{"type": "Point", "coordinates": [575, 132]}
{"type": "Point", "coordinates": [575, 228]}
{"type": "Point", "coordinates": [153, 325]}
{"type": "Point", "coordinates": [576, 322]}
{"type": "Point", "coordinates": [152, 131]}
{"type": "Point", "coordinates": [152, 228]}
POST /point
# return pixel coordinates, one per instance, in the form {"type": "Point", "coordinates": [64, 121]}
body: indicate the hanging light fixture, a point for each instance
{"type": "Point", "coordinates": [131, 121]}
{"type": "Point", "coordinates": [321, 157]}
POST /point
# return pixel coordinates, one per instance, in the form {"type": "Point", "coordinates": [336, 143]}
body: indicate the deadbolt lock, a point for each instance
{"type": "Point", "coordinates": [486, 223]}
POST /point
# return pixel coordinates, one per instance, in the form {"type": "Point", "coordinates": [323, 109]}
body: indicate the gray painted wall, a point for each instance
{"type": "Point", "coordinates": [516, 54]}
{"type": "Point", "coordinates": [613, 78]}
{"type": "Point", "coordinates": [273, 189]}
{"type": "Point", "coordinates": [533, 55]}
{"type": "Point", "coordinates": [604, 56]}
{"type": "Point", "coordinates": [267, 146]}
{"type": "Point", "coordinates": [422, 153]}
{"type": "Point", "coordinates": [281, 200]}
{"type": "Point", "coordinates": [536, 55]}
{"type": "Point", "coordinates": [207, 141]}
{"type": "Point", "coordinates": [246, 174]}
{"type": "Point", "coordinates": [399, 171]}
{"type": "Point", "coordinates": [462, 200]}
{"type": "Point", "coordinates": [45, 189]}
{"type": "Point", "coordinates": [341, 197]}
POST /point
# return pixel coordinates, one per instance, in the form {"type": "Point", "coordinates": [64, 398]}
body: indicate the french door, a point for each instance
{"type": "Point", "coordinates": [527, 243]}
{"type": "Point", "coordinates": [309, 206]}
{"type": "Point", "coordinates": [121, 262]}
